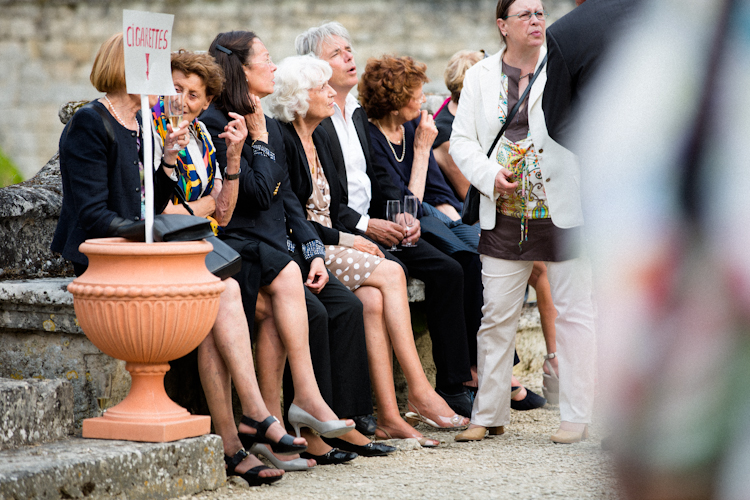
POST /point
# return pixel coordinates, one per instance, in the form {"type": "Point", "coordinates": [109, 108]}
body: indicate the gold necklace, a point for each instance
{"type": "Point", "coordinates": [403, 143]}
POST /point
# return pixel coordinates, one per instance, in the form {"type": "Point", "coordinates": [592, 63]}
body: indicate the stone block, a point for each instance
{"type": "Point", "coordinates": [34, 411]}
{"type": "Point", "coordinates": [41, 339]}
{"type": "Point", "coordinates": [100, 469]}
{"type": "Point", "coordinates": [28, 217]}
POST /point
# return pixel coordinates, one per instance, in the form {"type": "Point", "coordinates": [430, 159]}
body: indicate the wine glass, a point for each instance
{"type": "Point", "coordinates": [173, 107]}
{"type": "Point", "coordinates": [392, 212]}
{"type": "Point", "coordinates": [411, 209]}
{"type": "Point", "coordinates": [103, 391]}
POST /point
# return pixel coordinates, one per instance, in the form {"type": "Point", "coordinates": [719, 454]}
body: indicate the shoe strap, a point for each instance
{"type": "Point", "coordinates": [551, 355]}
{"type": "Point", "coordinates": [233, 462]}
{"type": "Point", "coordinates": [260, 427]}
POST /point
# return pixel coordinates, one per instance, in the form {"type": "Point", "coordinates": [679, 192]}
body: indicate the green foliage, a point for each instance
{"type": "Point", "coordinates": [8, 172]}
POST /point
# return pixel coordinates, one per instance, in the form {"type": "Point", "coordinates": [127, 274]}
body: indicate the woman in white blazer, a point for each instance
{"type": "Point", "coordinates": [530, 209]}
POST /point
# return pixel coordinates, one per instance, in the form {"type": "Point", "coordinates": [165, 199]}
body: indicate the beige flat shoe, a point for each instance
{"type": "Point", "coordinates": [570, 437]}
{"type": "Point", "coordinates": [478, 433]}
{"type": "Point", "coordinates": [425, 442]}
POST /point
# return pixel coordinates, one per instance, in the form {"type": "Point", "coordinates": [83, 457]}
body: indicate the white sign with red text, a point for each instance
{"type": "Point", "coordinates": [148, 42]}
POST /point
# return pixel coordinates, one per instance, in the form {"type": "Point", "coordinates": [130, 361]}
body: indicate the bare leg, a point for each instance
{"type": "Point", "coordinates": [215, 369]}
{"type": "Point", "coordinates": [390, 325]}
{"type": "Point", "coordinates": [271, 361]}
{"type": "Point", "coordinates": [290, 314]}
{"type": "Point", "coordinates": [547, 311]}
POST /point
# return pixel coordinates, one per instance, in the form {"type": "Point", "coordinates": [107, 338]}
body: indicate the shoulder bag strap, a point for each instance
{"type": "Point", "coordinates": [517, 106]}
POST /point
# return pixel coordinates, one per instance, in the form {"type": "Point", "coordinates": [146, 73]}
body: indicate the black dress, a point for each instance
{"type": "Point", "coordinates": [269, 229]}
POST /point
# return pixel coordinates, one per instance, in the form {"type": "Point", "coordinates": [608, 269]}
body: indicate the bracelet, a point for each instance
{"type": "Point", "coordinates": [165, 164]}
{"type": "Point", "coordinates": [232, 177]}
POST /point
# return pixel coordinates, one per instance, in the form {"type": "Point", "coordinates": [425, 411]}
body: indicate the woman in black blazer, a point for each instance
{"type": "Point", "coordinates": [101, 162]}
{"type": "Point", "coordinates": [270, 231]}
{"type": "Point", "coordinates": [303, 99]}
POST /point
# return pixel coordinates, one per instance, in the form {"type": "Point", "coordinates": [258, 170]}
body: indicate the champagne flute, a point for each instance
{"type": "Point", "coordinates": [103, 391]}
{"type": "Point", "coordinates": [411, 209]}
{"type": "Point", "coordinates": [174, 109]}
{"type": "Point", "coordinates": [392, 212]}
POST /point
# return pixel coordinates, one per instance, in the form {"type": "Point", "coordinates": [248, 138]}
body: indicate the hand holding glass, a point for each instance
{"type": "Point", "coordinates": [411, 209]}
{"type": "Point", "coordinates": [392, 211]}
{"type": "Point", "coordinates": [173, 108]}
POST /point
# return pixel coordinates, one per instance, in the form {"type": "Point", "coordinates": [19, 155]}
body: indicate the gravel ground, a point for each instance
{"type": "Point", "coordinates": [521, 464]}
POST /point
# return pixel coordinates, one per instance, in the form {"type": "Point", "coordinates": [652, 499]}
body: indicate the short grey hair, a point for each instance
{"type": "Point", "coordinates": [311, 40]}
{"type": "Point", "coordinates": [295, 76]}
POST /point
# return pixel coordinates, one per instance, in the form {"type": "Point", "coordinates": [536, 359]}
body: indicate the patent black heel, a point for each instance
{"type": "Point", "coordinates": [285, 445]}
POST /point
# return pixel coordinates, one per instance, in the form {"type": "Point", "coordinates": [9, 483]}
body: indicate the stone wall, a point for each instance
{"type": "Point", "coordinates": [47, 47]}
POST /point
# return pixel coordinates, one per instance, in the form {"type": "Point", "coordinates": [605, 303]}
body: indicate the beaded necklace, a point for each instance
{"type": "Point", "coordinates": [118, 116]}
{"type": "Point", "coordinates": [403, 136]}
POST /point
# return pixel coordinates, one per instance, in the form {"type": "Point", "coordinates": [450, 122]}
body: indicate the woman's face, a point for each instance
{"type": "Point", "coordinates": [413, 108]}
{"type": "Point", "coordinates": [520, 33]}
{"type": "Point", "coordinates": [259, 70]}
{"type": "Point", "coordinates": [320, 99]}
{"type": "Point", "coordinates": [193, 91]}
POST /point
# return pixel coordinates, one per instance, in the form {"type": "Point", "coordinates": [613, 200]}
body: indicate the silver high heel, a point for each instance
{"type": "Point", "coordinates": [287, 465]}
{"type": "Point", "coordinates": [550, 381]}
{"type": "Point", "coordinates": [331, 428]}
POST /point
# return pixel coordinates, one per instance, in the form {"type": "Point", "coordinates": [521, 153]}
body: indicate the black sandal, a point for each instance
{"type": "Point", "coordinates": [285, 445]}
{"type": "Point", "coordinates": [252, 476]}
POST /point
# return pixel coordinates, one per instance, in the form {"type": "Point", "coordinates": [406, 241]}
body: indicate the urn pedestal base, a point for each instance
{"type": "Point", "coordinates": [147, 414]}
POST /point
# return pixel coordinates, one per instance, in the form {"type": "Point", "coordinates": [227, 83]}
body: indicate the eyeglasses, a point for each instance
{"type": "Point", "coordinates": [526, 15]}
{"type": "Point", "coordinates": [419, 98]}
{"type": "Point", "coordinates": [267, 61]}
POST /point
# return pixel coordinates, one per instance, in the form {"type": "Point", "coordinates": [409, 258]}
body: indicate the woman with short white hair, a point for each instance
{"type": "Point", "coordinates": [302, 99]}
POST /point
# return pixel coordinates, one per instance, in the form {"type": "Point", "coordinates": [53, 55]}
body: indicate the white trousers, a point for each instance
{"type": "Point", "coordinates": [504, 287]}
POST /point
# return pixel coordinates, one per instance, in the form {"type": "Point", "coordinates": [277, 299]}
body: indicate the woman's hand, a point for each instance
{"type": "Point", "coordinates": [177, 136]}
{"type": "Point", "coordinates": [235, 133]}
{"type": "Point", "coordinates": [256, 121]}
{"type": "Point", "coordinates": [504, 184]}
{"type": "Point", "coordinates": [366, 246]}
{"type": "Point", "coordinates": [318, 276]}
{"type": "Point", "coordinates": [425, 134]}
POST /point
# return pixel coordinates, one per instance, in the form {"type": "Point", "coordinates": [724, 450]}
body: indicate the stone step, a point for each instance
{"type": "Point", "coordinates": [34, 411]}
{"type": "Point", "coordinates": [94, 469]}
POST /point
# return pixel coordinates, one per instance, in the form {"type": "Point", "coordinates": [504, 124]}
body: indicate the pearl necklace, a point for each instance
{"type": "Point", "coordinates": [403, 137]}
{"type": "Point", "coordinates": [118, 116]}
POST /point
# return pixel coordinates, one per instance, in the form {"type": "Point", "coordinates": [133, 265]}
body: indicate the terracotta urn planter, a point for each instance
{"type": "Point", "coordinates": [146, 304]}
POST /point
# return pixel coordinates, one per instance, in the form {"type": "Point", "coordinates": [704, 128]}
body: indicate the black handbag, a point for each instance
{"type": "Point", "coordinates": [223, 261]}
{"type": "Point", "coordinates": [470, 213]}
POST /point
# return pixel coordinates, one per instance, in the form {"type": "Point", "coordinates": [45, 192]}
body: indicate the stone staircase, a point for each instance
{"type": "Point", "coordinates": [41, 458]}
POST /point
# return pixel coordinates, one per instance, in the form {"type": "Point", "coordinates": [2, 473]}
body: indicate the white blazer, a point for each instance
{"type": "Point", "coordinates": [475, 127]}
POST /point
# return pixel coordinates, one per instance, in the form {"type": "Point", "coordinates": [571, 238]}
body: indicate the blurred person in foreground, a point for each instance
{"type": "Point", "coordinates": [458, 64]}
{"type": "Point", "coordinates": [529, 210]}
{"type": "Point", "coordinates": [670, 252]}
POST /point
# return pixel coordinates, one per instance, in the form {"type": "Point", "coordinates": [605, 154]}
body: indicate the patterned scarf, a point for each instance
{"type": "Point", "coordinates": [189, 180]}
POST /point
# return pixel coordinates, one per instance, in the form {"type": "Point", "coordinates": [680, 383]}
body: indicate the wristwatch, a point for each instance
{"type": "Point", "coordinates": [232, 177]}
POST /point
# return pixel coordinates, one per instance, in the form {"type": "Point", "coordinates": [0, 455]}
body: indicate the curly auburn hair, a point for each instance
{"type": "Point", "coordinates": [204, 66]}
{"type": "Point", "coordinates": [388, 84]}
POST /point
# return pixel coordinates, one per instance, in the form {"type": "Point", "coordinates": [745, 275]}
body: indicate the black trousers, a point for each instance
{"type": "Point", "coordinates": [444, 302]}
{"type": "Point", "coordinates": [338, 348]}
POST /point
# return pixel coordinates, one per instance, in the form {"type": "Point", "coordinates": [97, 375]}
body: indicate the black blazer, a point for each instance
{"type": "Point", "coordinates": [577, 43]}
{"type": "Point", "coordinates": [383, 188]}
{"type": "Point", "coordinates": [301, 179]}
{"type": "Point", "coordinates": [100, 181]}
{"type": "Point", "coordinates": [265, 199]}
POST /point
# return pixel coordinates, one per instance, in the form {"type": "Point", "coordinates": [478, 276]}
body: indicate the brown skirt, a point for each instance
{"type": "Point", "coordinates": [546, 242]}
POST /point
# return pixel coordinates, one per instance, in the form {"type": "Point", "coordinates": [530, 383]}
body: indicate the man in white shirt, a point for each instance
{"type": "Point", "coordinates": [366, 187]}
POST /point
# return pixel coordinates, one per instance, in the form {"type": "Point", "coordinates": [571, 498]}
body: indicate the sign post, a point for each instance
{"type": "Point", "coordinates": [148, 41]}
